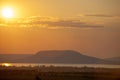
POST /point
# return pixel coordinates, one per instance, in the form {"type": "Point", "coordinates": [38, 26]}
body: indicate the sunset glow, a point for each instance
{"type": "Point", "coordinates": [89, 27]}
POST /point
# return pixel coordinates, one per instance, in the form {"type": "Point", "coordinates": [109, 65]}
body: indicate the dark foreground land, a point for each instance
{"type": "Point", "coordinates": [58, 73]}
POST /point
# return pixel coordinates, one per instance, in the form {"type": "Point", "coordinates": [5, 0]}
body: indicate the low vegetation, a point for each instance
{"type": "Point", "coordinates": [58, 73]}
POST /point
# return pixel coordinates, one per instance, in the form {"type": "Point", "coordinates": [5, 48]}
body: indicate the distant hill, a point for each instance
{"type": "Point", "coordinates": [12, 57]}
{"type": "Point", "coordinates": [114, 60]}
{"type": "Point", "coordinates": [61, 56]}
{"type": "Point", "coordinates": [55, 56]}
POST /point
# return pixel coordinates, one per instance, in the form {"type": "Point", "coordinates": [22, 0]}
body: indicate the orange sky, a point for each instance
{"type": "Point", "coordinates": [90, 27]}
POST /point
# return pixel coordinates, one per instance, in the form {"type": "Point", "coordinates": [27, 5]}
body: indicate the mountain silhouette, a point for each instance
{"type": "Point", "coordinates": [55, 56]}
{"type": "Point", "coordinates": [61, 56]}
{"type": "Point", "coordinates": [114, 60]}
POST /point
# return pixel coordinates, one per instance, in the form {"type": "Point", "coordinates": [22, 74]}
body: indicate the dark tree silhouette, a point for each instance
{"type": "Point", "coordinates": [38, 78]}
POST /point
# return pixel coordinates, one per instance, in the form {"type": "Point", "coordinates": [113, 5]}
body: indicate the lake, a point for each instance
{"type": "Point", "coordinates": [63, 65]}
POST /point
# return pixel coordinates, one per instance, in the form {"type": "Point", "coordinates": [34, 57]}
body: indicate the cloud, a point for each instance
{"type": "Point", "coordinates": [101, 15]}
{"type": "Point", "coordinates": [49, 22]}
{"type": "Point", "coordinates": [70, 24]}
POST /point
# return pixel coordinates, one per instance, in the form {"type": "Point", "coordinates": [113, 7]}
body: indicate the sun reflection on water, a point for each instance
{"type": "Point", "coordinates": [6, 64]}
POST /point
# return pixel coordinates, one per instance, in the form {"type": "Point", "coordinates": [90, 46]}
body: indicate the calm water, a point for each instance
{"type": "Point", "coordinates": [68, 65]}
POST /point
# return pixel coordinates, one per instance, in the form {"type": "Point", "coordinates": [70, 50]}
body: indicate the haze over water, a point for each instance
{"type": "Point", "coordinates": [62, 65]}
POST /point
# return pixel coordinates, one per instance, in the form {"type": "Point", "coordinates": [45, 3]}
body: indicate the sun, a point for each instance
{"type": "Point", "coordinates": [7, 12]}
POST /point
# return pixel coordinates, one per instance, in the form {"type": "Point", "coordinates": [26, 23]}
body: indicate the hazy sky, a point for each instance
{"type": "Point", "coordinates": [91, 27]}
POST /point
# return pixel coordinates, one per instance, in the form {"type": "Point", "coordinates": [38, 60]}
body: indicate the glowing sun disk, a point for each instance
{"type": "Point", "coordinates": [7, 12]}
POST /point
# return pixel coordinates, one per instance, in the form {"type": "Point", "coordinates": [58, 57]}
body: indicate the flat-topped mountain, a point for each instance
{"type": "Point", "coordinates": [56, 56]}
{"type": "Point", "coordinates": [62, 56]}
